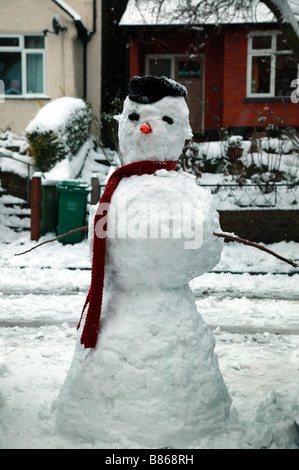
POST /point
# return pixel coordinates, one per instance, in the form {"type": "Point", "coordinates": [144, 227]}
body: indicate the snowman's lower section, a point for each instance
{"type": "Point", "coordinates": [153, 379]}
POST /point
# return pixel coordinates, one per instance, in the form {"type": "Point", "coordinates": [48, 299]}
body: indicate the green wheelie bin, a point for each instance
{"type": "Point", "coordinates": [72, 210]}
{"type": "Point", "coordinates": [49, 207]}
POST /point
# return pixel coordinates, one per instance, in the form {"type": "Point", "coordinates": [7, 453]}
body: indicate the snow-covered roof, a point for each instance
{"type": "Point", "coordinates": [68, 9]}
{"type": "Point", "coordinates": [169, 12]}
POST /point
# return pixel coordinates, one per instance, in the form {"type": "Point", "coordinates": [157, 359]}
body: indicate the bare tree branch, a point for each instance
{"type": "Point", "coordinates": [199, 12]}
{"type": "Point", "coordinates": [286, 22]}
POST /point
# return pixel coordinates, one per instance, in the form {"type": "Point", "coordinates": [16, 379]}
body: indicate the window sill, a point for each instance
{"type": "Point", "coordinates": [267, 99]}
{"type": "Point", "coordinates": [24, 97]}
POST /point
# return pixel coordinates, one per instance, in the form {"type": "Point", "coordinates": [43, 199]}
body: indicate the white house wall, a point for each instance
{"type": "Point", "coordinates": [63, 58]}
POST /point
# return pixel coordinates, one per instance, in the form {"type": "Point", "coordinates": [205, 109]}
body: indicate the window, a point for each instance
{"type": "Point", "coordinates": [271, 66]}
{"type": "Point", "coordinates": [22, 65]}
{"type": "Point", "coordinates": [189, 69]}
{"type": "Point", "coordinates": [160, 66]}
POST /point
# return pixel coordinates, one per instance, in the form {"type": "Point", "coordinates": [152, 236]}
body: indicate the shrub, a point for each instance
{"type": "Point", "coordinates": [46, 149]}
{"type": "Point", "coordinates": [77, 129]}
{"type": "Point", "coordinates": [58, 131]}
{"type": "Point", "coordinates": [109, 126]}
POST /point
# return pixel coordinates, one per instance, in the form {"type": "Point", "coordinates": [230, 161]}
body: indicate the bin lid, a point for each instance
{"type": "Point", "coordinates": [71, 185]}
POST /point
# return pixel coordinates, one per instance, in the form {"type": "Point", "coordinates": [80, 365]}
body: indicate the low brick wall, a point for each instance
{"type": "Point", "coordinates": [15, 184]}
{"type": "Point", "coordinates": [266, 226]}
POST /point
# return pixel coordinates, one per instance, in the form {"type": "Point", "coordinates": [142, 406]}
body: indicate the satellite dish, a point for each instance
{"type": "Point", "coordinates": [56, 25]}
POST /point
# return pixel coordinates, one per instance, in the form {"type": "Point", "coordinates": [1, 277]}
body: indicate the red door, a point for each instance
{"type": "Point", "coordinates": [190, 73]}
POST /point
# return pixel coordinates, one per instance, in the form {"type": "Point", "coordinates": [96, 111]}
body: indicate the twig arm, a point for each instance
{"type": "Point", "coordinates": [256, 245]}
{"type": "Point", "coordinates": [53, 239]}
{"type": "Point", "coordinates": [223, 235]}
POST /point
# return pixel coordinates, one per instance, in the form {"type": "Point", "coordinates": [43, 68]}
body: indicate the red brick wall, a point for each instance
{"type": "Point", "coordinates": [225, 74]}
{"type": "Point", "coordinates": [134, 57]}
{"type": "Point", "coordinates": [234, 78]}
{"type": "Point", "coordinates": [186, 43]}
{"type": "Point", "coordinates": [214, 49]}
{"type": "Point", "coordinates": [235, 111]}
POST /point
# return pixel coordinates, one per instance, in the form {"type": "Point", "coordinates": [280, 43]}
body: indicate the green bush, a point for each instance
{"type": "Point", "coordinates": [46, 149]}
{"type": "Point", "coordinates": [51, 146]}
{"type": "Point", "coordinates": [109, 126]}
{"type": "Point", "coordinates": [77, 129]}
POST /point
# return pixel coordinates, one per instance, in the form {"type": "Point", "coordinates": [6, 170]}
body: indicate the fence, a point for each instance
{"type": "Point", "coordinates": [278, 195]}
{"type": "Point", "coordinates": [28, 177]}
{"type": "Point", "coordinates": [275, 195]}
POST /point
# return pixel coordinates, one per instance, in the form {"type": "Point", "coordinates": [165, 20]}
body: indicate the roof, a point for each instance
{"type": "Point", "coordinates": [150, 13]}
{"type": "Point", "coordinates": [68, 9]}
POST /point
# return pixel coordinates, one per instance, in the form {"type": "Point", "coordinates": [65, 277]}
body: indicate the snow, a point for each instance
{"type": "Point", "coordinates": [54, 115]}
{"type": "Point", "coordinates": [165, 141]}
{"type": "Point", "coordinates": [82, 164]}
{"type": "Point", "coordinates": [286, 11]}
{"type": "Point", "coordinates": [68, 9]}
{"type": "Point", "coordinates": [168, 12]}
{"type": "Point", "coordinates": [153, 371]}
{"type": "Point", "coordinates": [86, 163]}
{"type": "Point", "coordinates": [46, 373]}
{"type": "Point", "coordinates": [273, 153]}
{"type": "Point", "coordinates": [257, 341]}
{"type": "Point", "coordinates": [8, 139]}
{"type": "Point", "coordinates": [22, 167]}
{"type": "Point", "coordinates": [7, 157]}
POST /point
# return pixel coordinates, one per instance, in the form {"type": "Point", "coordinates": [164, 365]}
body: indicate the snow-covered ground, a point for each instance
{"type": "Point", "coordinates": [250, 301]}
{"type": "Point", "coordinates": [255, 319]}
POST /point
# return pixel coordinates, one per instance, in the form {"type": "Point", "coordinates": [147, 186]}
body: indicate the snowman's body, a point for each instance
{"type": "Point", "coordinates": [153, 379]}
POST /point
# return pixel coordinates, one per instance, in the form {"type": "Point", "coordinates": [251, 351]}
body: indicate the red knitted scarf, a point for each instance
{"type": "Point", "coordinates": [95, 294]}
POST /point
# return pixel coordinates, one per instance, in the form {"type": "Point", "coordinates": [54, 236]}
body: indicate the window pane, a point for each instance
{"type": "Point", "coordinates": [260, 76]}
{"type": "Point", "coordinates": [160, 67]}
{"type": "Point", "coordinates": [286, 71]}
{"type": "Point", "coordinates": [11, 72]}
{"type": "Point", "coordinates": [281, 44]}
{"type": "Point", "coordinates": [261, 42]}
{"type": "Point", "coordinates": [189, 69]}
{"type": "Point", "coordinates": [35, 74]}
{"type": "Point", "coordinates": [9, 42]}
{"type": "Point", "coordinates": [34, 42]}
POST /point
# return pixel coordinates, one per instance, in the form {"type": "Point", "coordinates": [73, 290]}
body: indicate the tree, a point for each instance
{"type": "Point", "coordinates": [194, 12]}
{"type": "Point", "coordinates": [114, 43]}
{"type": "Point", "coordinates": [286, 22]}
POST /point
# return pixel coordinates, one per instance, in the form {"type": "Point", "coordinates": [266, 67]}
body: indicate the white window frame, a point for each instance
{"type": "Point", "coordinates": [272, 53]}
{"type": "Point", "coordinates": [24, 52]}
{"type": "Point", "coordinates": [171, 57]}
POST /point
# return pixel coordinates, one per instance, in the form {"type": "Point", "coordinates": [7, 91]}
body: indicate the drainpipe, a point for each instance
{"type": "Point", "coordinates": [83, 34]}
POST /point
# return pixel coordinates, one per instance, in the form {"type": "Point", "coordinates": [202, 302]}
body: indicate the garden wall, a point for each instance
{"type": "Point", "coordinates": [264, 225]}
{"type": "Point", "coordinates": [14, 184]}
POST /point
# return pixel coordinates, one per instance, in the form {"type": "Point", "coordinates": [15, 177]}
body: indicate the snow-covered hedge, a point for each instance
{"type": "Point", "coordinates": [58, 131]}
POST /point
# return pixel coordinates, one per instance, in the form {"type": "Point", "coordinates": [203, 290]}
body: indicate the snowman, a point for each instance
{"type": "Point", "coordinates": [144, 373]}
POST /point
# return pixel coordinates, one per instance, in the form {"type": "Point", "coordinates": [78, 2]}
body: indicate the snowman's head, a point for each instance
{"type": "Point", "coordinates": [154, 123]}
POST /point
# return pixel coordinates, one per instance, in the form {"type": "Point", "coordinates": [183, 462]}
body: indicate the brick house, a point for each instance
{"type": "Point", "coordinates": [232, 71]}
{"type": "Point", "coordinates": [37, 66]}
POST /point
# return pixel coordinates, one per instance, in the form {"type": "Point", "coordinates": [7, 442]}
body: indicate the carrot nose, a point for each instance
{"type": "Point", "coordinates": [145, 128]}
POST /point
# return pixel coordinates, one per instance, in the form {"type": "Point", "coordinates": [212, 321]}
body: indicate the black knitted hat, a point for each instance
{"type": "Point", "coordinates": [149, 89]}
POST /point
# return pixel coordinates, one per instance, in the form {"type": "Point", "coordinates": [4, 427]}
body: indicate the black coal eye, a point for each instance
{"type": "Point", "coordinates": [168, 119]}
{"type": "Point", "coordinates": [134, 116]}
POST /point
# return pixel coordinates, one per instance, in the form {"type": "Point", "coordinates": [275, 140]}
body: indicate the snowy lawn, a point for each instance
{"type": "Point", "coordinates": [254, 319]}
